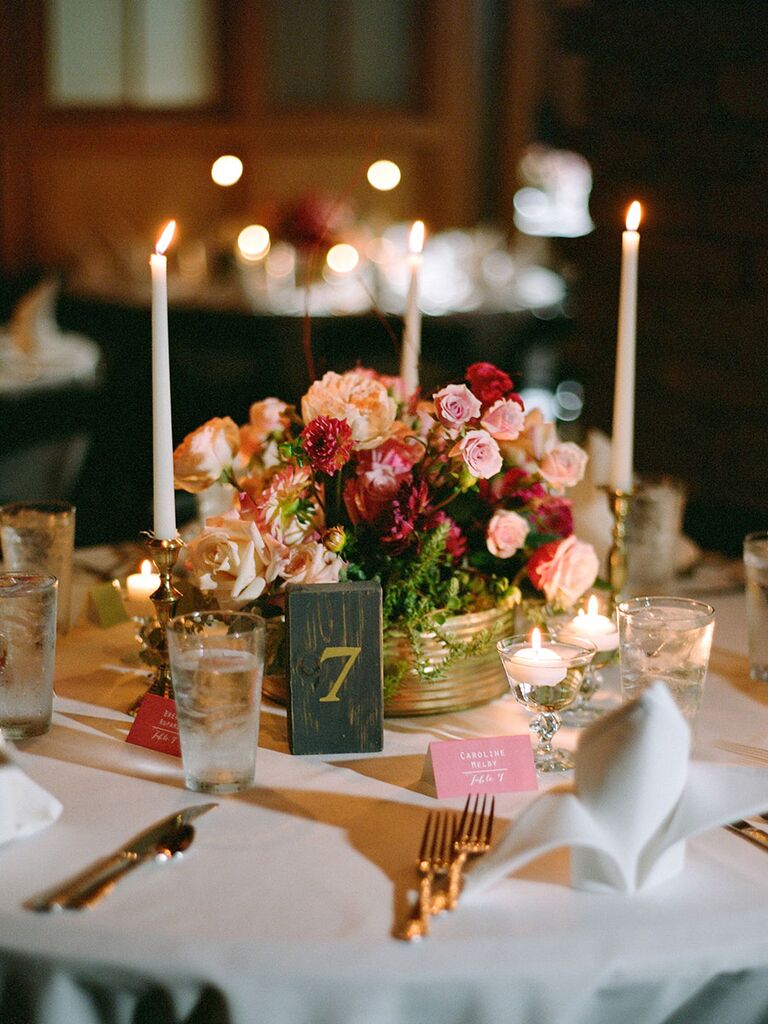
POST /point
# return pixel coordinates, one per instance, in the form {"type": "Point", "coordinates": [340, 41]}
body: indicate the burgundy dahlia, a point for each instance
{"type": "Point", "coordinates": [327, 443]}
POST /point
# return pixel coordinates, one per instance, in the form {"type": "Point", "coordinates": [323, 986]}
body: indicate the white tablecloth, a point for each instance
{"type": "Point", "coordinates": [283, 909]}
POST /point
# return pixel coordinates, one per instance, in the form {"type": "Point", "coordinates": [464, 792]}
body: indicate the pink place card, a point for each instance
{"type": "Point", "coordinates": [155, 726]}
{"type": "Point", "coordinates": [491, 764]}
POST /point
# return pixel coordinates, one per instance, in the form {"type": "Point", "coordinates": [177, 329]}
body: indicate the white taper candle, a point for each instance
{"type": "Point", "coordinates": [162, 434]}
{"type": "Point", "coordinates": [624, 390]}
{"type": "Point", "coordinates": [411, 348]}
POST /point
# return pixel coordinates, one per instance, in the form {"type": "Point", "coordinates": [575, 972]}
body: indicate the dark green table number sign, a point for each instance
{"type": "Point", "coordinates": [335, 697]}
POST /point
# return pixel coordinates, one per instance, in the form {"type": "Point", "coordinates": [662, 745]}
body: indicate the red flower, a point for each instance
{"type": "Point", "coordinates": [515, 485]}
{"type": "Point", "coordinates": [327, 443]}
{"type": "Point", "coordinates": [398, 523]}
{"type": "Point", "coordinates": [553, 516]}
{"type": "Point", "coordinates": [455, 543]}
{"type": "Point", "coordinates": [489, 384]}
{"type": "Point", "coordinates": [541, 556]}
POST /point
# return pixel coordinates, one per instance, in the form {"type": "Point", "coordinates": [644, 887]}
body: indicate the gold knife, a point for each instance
{"type": "Point", "coordinates": [750, 832]}
{"type": "Point", "coordinates": [142, 847]}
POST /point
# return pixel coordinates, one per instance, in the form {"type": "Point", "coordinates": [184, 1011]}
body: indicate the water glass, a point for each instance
{"type": "Point", "coordinates": [667, 639]}
{"type": "Point", "coordinates": [654, 528]}
{"type": "Point", "coordinates": [27, 653]}
{"type": "Point", "coordinates": [39, 537]}
{"type": "Point", "coordinates": [756, 572]}
{"type": "Point", "coordinates": [217, 666]}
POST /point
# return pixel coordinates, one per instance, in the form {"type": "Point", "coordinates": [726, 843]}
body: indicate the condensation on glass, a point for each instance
{"type": "Point", "coordinates": [132, 53]}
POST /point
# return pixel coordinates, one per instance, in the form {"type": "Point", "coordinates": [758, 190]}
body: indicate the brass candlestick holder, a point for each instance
{"type": "Point", "coordinates": [164, 554]}
{"type": "Point", "coordinates": [617, 556]}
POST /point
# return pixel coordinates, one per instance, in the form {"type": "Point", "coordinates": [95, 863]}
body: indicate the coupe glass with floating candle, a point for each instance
{"type": "Point", "coordinates": [545, 676]}
{"type": "Point", "coordinates": [601, 630]}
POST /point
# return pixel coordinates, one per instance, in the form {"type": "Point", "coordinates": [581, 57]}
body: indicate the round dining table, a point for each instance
{"type": "Point", "coordinates": [284, 908]}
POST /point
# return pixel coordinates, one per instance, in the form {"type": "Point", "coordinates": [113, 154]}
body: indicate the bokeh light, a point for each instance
{"type": "Point", "coordinates": [253, 242]}
{"type": "Point", "coordinates": [227, 170]}
{"type": "Point", "coordinates": [384, 175]}
{"type": "Point", "coordinates": [342, 258]}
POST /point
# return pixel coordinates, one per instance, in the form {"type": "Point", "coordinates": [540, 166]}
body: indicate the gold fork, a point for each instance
{"type": "Point", "coordinates": [472, 837]}
{"type": "Point", "coordinates": [433, 861]}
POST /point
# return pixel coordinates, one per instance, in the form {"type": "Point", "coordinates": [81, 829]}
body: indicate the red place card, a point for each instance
{"type": "Point", "coordinates": [491, 764]}
{"type": "Point", "coordinates": [155, 726]}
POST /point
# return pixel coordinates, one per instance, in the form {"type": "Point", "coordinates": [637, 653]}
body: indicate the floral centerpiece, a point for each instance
{"type": "Point", "coordinates": [455, 504]}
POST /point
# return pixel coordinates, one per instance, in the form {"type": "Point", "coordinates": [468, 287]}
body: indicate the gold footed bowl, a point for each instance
{"type": "Point", "coordinates": [467, 683]}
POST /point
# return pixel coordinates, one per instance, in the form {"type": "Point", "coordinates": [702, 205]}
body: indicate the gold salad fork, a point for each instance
{"type": "Point", "coordinates": [433, 861]}
{"type": "Point", "coordinates": [472, 838]}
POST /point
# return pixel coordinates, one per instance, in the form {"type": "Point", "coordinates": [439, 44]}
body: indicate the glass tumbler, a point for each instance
{"type": "Point", "coordinates": [39, 537]}
{"type": "Point", "coordinates": [666, 639]}
{"type": "Point", "coordinates": [756, 574]}
{"type": "Point", "coordinates": [217, 666]}
{"type": "Point", "coordinates": [27, 653]}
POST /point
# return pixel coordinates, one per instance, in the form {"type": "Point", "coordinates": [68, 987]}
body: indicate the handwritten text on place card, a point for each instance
{"type": "Point", "coordinates": [491, 764]}
{"type": "Point", "coordinates": [155, 726]}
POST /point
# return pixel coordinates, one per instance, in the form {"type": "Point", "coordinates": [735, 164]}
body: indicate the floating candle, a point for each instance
{"type": "Point", "coordinates": [590, 625]}
{"type": "Point", "coordinates": [537, 664]}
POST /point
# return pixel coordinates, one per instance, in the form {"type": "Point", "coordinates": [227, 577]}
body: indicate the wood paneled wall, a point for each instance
{"type": "Point", "coordinates": [68, 175]}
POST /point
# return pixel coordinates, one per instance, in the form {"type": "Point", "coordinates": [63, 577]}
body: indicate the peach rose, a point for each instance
{"type": "Point", "coordinates": [504, 420]}
{"type": "Point", "coordinates": [564, 465]}
{"type": "Point", "coordinates": [265, 419]}
{"type": "Point", "coordinates": [205, 454]}
{"type": "Point", "coordinates": [565, 571]}
{"type": "Point", "coordinates": [358, 398]}
{"type": "Point", "coordinates": [480, 453]}
{"type": "Point", "coordinates": [312, 562]}
{"type": "Point", "coordinates": [506, 533]}
{"type": "Point", "coordinates": [231, 554]}
{"type": "Point", "coordinates": [455, 405]}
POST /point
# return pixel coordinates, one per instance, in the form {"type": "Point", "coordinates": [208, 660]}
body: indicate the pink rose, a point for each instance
{"type": "Point", "coordinates": [356, 397]}
{"type": "Point", "coordinates": [456, 405]}
{"type": "Point", "coordinates": [563, 465]}
{"type": "Point", "coordinates": [480, 453]}
{"type": "Point", "coordinates": [204, 454]}
{"type": "Point", "coordinates": [233, 555]}
{"type": "Point", "coordinates": [564, 570]}
{"type": "Point", "coordinates": [506, 533]}
{"type": "Point", "coordinates": [504, 420]}
{"type": "Point", "coordinates": [312, 562]}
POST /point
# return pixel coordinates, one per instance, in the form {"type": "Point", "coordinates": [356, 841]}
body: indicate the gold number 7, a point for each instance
{"type": "Point", "coordinates": [350, 653]}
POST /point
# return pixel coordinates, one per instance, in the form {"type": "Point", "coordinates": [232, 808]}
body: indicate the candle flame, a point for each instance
{"type": "Point", "coordinates": [536, 640]}
{"type": "Point", "coordinates": [592, 605]}
{"type": "Point", "coordinates": [146, 567]}
{"type": "Point", "coordinates": [166, 237]}
{"type": "Point", "coordinates": [634, 213]}
{"type": "Point", "coordinates": [416, 237]}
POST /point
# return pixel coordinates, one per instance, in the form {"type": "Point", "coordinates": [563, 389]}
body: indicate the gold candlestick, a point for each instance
{"type": "Point", "coordinates": [164, 554]}
{"type": "Point", "coordinates": [617, 556]}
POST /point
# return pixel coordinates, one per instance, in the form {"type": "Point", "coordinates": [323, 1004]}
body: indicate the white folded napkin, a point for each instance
{"type": "Point", "coordinates": [25, 807]}
{"type": "Point", "coordinates": [635, 800]}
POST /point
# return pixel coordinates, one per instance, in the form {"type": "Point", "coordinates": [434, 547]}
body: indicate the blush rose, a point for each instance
{"type": "Point", "coordinates": [506, 533]}
{"type": "Point", "coordinates": [564, 570]}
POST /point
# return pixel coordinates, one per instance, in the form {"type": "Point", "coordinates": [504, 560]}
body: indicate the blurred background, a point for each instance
{"type": "Point", "coordinates": [520, 131]}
